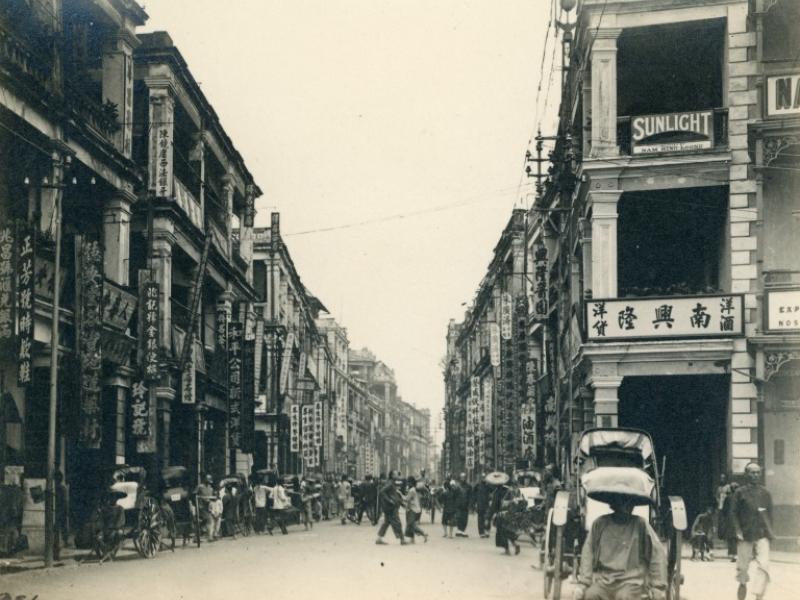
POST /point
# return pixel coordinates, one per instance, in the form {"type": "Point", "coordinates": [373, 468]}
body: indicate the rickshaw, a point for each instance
{"type": "Point", "coordinates": [179, 506]}
{"type": "Point", "coordinates": [239, 515]}
{"type": "Point", "coordinates": [609, 453]}
{"type": "Point", "coordinates": [127, 511]}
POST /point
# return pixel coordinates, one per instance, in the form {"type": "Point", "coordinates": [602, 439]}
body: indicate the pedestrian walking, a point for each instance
{"type": "Point", "coordinates": [702, 534]}
{"type": "Point", "coordinates": [450, 498]}
{"type": "Point", "coordinates": [751, 512]}
{"type": "Point", "coordinates": [726, 529]}
{"type": "Point", "coordinates": [368, 500]}
{"type": "Point", "coordinates": [463, 505]}
{"type": "Point", "coordinates": [210, 506]}
{"type": "Point", "coordinates": [413, 511]}
{"type": "Point", "coordinates": [483, 493]}
{"type": "Point", "coordinates": [328, 498]}
{"type": "Point", "coordinates": [261, 500]}
{"type": "Point", "coordinates": [345, 498]}
{"type": "Point", "coordinates": [390, 500]}
{"type": "Point", "coordinates": [306, 497]}
{"type": "Point", "coordinates": [281, 504]}
{"type": "Point", "coordinates": [509, 520]}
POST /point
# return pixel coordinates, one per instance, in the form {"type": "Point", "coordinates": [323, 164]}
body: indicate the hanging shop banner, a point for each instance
{"type": "Point", "coordinates": [149, 323]}
{"type": "Point", "coordinates": [488, 390]}
{"type": "Point", "coordinates": [248, 419]}
{"type": "Point", "coordinates": [140, 410]}
{"type": "Point", "coordinates": [494, 344]}
{"type": "Point", "coordinates": [188, 388]}
{"type": "Point", "coordinates": [249, 205]}
{"type": "Point", "coordinates": [301, 369]}
{"type": "Point", "coordinates": [540, 283]}
{"type": "Point", "coordinates": [118, 306]}
{"type": "Point", "coordinates": [673, 132]}
{"type": "Point", "coordinates": [7, 284]}
{"type": "Point", "coordinates": [307, 432]}
{"type": "Point", "coordinates": [88, 327]}
{"type": "Point", "coordinates": [532, 372]}
{"type": "Point", "coordinates": [259, 349]}
{"type": "Point", "coordinates": [674, 317]}
{"type": "Point", "coordinates": [506, 316]}
{"type": "Point", "coordinates": [783, 310]}
{"type": "Point", "coordinates": [783, 95]}
{"type": "Point", "coordinates": [235, 341]}
{"type": "Point", "coordinates": [318, 424]}
{"type": "Point", "coordinates": [528, 431]}
{"type": "Point", "coordinates": [294, 428]}
{"type": "Point", "coordinates": [25, 301]}
{"type": "Point", "coordinates": [286, 362]}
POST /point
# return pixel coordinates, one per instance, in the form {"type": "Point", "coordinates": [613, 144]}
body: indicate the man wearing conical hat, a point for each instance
{"type": "Point", "coordinates": [622, 556]}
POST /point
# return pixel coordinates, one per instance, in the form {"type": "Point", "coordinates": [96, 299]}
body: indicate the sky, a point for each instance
{"type": "Point", "coordinates": [348, 111]}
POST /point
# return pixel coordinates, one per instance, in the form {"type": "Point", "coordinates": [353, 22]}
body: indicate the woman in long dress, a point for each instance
{"type": "Point", "coordinates": [450, 497]}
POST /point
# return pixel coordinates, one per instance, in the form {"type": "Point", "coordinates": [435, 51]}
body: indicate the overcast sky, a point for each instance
{"type": "Point", "coordinates": [355, 110]}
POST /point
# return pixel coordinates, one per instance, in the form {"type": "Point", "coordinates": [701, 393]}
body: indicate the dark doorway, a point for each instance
{"type": "Point", "coordinates": [687, 418]}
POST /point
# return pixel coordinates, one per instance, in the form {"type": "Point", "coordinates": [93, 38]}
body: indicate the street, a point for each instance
{"type": "Point", "coordinates": [340, 561]}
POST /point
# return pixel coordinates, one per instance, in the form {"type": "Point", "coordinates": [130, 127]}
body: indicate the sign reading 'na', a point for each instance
{"type": "Point", "coordinates": [673, 317]}
{"type": "Point", "coordinates": [783, 95]}
{"type": "Point", "coordinates": [672, 132]}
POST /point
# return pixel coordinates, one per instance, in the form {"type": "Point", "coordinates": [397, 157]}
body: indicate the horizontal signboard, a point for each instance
{"type": "Point", "coordinates": [672, 132]}
{"type": "Point", "coordinates": [783, 310]}
{"type": "Point", "coordinates": [671, 317]}
{"type": "Point", "coordinates": [783, 95]}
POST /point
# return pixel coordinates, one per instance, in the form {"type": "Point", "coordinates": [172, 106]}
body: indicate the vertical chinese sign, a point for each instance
{"type": "Point", "coordinates": [25, 300]}
{"type": "Point", "coordinates": [307, 421]}
{"type": "Point", "coordinates": [161, 152]}
{"type": "Point", "coordinates": [88, 326]}
{"type": "Point", "coordinates": [540, 283]}
{"type": "Point", "coordinates": [294, 428]}
{"type": "Point", "coordinates": [286, 362]}
{"type": "Point", "coordinates": [469, 436]}
{"type": "Point", "coordinates": [247, 419]}
{"type": "Point", "coordinates": [235, 345]}
{"type": "Point", "coordinates": [142, 392]}
{"type": "Point", "coordinates": [188, 387]}
{"type": "Point", "coordinates": [6, 285]}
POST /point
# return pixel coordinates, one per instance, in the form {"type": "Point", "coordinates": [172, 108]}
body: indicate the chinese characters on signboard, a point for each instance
{"type": "Point", "coordinates": [506, 316]}
{"type": "Point", "coordinates": [469, 437]}
{"type": "Point", "coordinates": [309, 452]}
{"type": "Point", "coordinates": [6, 283]}
{"type": "Point", "coordinates": [286, 362]}
{"type": "Point", "coordinates": [318, 423]}
{"type": "Point", "coordinates": [149, 326]}
{"type": "Point", "coordinates": [25, 301]}
{"type": "Point", "coordinates": [118, 306]}
{"type": "Point", "coordinates": [235, 341]}
{"type": "Point", "coordinates": [89, 325]}
{"type": "Point", "coordinates": [528, 425]}
{"type": "Point", "coordinates": [494, 344]}
{"type": "Point", "coordinates": [188, 391]}
{"type": "Point", "coordinates": [248, 420]}
{"type": "Point", "coordinates": [249, 205]}
{"type": "Point", "coordinates": [160, 159]}
{"type": "Point", "coordinates": [692, 316]}
{"type": "Point", "coordinates": [540, 285]}
{"type": "Point", "coordinates": [294, 428]}
{"type": "Point", "coordinates": [140, 410]}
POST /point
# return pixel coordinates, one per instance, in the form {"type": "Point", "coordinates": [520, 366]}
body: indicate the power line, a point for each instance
{"type": "Point", "coordinates": [399, 216]}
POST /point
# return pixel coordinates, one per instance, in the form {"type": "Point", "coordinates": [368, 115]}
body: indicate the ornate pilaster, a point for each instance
{"type": "Point", "coordinates": [116, 236]}
{"type": "Point", "coordinates": [604, 93]}
{"type": "Point", "coordinates": [604, 242]}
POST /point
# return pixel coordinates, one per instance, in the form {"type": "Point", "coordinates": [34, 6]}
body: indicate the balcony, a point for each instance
{"type": "Point", "coordinates": [23, 61]}
{"type": "Point", "coordinates": [673, 133]}
{"type": "Point", "coordinates": [188, 203]}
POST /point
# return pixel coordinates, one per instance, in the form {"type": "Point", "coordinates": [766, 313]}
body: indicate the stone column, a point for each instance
{"type": "Point", "coordinates": [604, 242]}
{"type": "Point", "coordinates": [118, 85]}
{"type": "Point", "coordinates": [117, 235]}
{"type": "Point", "coordinates": [606, 400]}
{"type": "Point", "coordinates": [604, 93]}
{"type": "Point", "coordinates": [163, 239]}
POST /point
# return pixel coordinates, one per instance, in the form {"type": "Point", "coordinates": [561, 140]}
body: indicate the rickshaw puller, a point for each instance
{"type": "Point", "coordinates": [622, 556]}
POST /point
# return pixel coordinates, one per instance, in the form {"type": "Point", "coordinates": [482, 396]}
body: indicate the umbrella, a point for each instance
{"type": "Point", "coordinates": [497, 478]}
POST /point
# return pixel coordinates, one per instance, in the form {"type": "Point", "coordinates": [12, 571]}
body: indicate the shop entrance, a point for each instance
{"type": "Point", "coordinates": [687, 418]}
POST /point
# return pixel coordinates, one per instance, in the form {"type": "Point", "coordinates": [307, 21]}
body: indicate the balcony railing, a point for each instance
{"type": "Point", "coordinates": [720, 132]}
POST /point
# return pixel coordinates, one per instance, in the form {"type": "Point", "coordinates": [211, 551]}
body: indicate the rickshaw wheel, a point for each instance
{"type": "Point", "coordinates": [148, 533]}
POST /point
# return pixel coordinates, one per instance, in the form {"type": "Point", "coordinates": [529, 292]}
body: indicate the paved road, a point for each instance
{"type": "Point", "coordinates": [333, 561]}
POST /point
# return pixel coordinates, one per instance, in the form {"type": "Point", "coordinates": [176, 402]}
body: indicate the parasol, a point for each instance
{"type": "Point", "coordinates": [497, 478]}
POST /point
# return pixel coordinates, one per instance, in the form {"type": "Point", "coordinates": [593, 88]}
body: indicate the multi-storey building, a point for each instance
{"type": "Point", "coordinates": [486, 364]}
{"type": "Point", "coordinates": [339, 345]}
{"type": "Point", "coordinates": [192, 242]}
{"type": "Point", "coordinates": [293, 418]}
{"type": "Point", "coordinates": [68, 184]}
{"type": "Point", "coordinates": [663, 238]}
